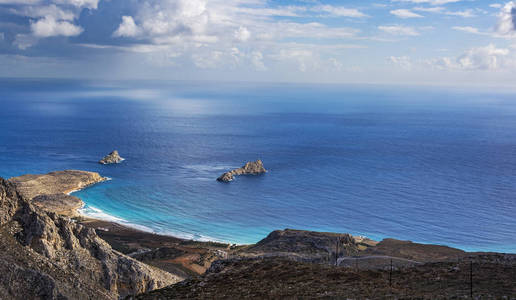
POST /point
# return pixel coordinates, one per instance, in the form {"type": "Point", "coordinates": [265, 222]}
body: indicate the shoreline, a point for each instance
{"type": "Point", "coordinates": [295, 252]}
{"type": "Point", "coordinates": [188, 237]}
{"type": "Point", "coordinates": [69, 182]}
{"type": "Point", "coordinates": [184, 257]}
{"type": "Point", "coordinates": [104, 179]}
{"type": "Point", "coordinates": [142, 228]}
{"type": "Point", "coordinates": [120, 222]}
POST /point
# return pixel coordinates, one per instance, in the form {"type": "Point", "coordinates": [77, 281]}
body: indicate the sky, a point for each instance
{"type": "Point", "coordinates": [431, 42]}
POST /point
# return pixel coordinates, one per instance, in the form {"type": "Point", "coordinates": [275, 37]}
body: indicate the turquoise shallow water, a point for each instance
{"type": "Point", "coordinates": [429, 165]}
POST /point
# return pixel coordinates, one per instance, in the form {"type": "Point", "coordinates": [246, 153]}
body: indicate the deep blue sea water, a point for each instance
{"type": "Point", "coordinates": [431, 165]}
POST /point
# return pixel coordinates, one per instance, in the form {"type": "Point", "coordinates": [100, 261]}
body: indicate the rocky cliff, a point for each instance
{"type": "Point", "coordinates": [46, 256]}
{"type": "Point", "coordinates": [250, 168]}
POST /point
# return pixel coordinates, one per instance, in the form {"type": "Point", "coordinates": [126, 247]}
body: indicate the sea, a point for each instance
{"type": "Point", "coordinates": [427, 164]}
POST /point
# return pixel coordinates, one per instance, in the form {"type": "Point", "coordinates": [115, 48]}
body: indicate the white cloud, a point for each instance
{"type": "Point", "coordinates": [257, 61]}
{"type": "Point", "coordinates": [309, 30]}
{"type": "Point", "coordinates": [24, 41]}
{"type": "Point", "coordinates": [399, 30]}
{"type": "Point", "coordinates": [49, 26]}
{"type": "Point", "coordinates": [507, 20]}
{"type": "Point", "coordinates": [48, 18]}
{"type": "Point", "coordinates": [405, 13]}
{"type": "Point", "coordinates": [44, 11]}
{"type": "Point", "coordinates": [208, 60]}
{"type": "Point", "coordinates": [435, 9]}
{"type": "Point", "coordinates": [194, 21]}
{"type": "Point", "coordinates": [127, 28]}
{"type": "Point", "coordinates": [303, 58]}
{"type": "Point", "coordinates": [22, 2]}
{"type": "Point", "coordinates": [488, 57]}
{"type": "Point", "coordinates": [402, 61]}
{"type": "Point", "coordinates": [336, 64]}
{"type": "Point", "coordinates": [495, 5]}
{"type": "Point", "coordinates": [467, 29]}
{"type": "Point", "coordinates": [164, 20]}
{"type": "Point", "coordinates": [482, 58]}
{"type": "Point", "coordinates": [468, 13]}
{"type": "Point", "coordinates": [296, 10]}
{"type": "Point", "coordinates": [431, 2]}
{"type": "Point", "coordinates": [339, 11]}
{"type": "Point", "coordinates": [242, 34]}
{"type": "Point", "coordinates": [92, 4]}
{"type": "Point", "coordinates": [210, 34]}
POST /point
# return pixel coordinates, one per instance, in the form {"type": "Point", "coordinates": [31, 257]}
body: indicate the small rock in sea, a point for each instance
{"type": "Point", "coordinates": [111, 158]}
{"type": "Point", "coordinates": [250, 168]}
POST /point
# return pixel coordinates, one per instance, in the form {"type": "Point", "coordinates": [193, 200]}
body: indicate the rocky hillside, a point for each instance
{"type": "Point", "coordinates": [46, 256]}
{"type": "Point", "coordinates": [494, 277]}
{"type": "Point", "coordinates": [295, 264]}
{"type": "Point", "coordinates": [304, 245]}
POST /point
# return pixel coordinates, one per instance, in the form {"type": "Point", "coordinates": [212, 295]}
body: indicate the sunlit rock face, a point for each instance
{"type": "Point", "coordinates": [46, 256]}
{"type": "Point", "coordinates": [111, 158]}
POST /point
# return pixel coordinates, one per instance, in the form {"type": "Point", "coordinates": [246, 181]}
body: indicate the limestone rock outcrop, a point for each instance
{"type": "Point", "coordinates": [111, 158]}
{"type": "Point", "coordinates": [46, 256]}
{"type": "Point", "coordinates": [250, 168]}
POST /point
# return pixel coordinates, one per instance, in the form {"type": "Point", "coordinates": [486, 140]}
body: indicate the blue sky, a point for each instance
{"type": "Point", "coordinates": [452, 42]}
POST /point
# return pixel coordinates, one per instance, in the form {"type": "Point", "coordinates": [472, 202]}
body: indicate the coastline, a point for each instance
{"type": "Point", "coordinates": [177, 255]}
{"type": "Point", "coordinates": [99, 216]}
{"type": "Point", "coordinates": [72, 181]}
{"type": "Point", "coordinates": [188, 258]}
{"type": "Point", "coordinates": [117, 223]}
{"type": "Point", "coordinates": [104, 179]}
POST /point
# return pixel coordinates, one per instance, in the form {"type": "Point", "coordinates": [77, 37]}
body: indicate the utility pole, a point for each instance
{"type": "Point", "coordinates": [337, 252]}
{"type": "Point", "coordinates": [471, 278]}
{"type": "Point", "coordinates": [390, 275]}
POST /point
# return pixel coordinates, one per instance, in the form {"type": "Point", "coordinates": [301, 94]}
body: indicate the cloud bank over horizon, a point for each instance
{"type": "Point", "coordinates": [396, 41]}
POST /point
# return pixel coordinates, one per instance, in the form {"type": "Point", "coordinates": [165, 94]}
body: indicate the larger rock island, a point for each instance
{"type": "Point", "coordinates": [250, 168]}
{"type": "Point", "coordinates": [51, 191]}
